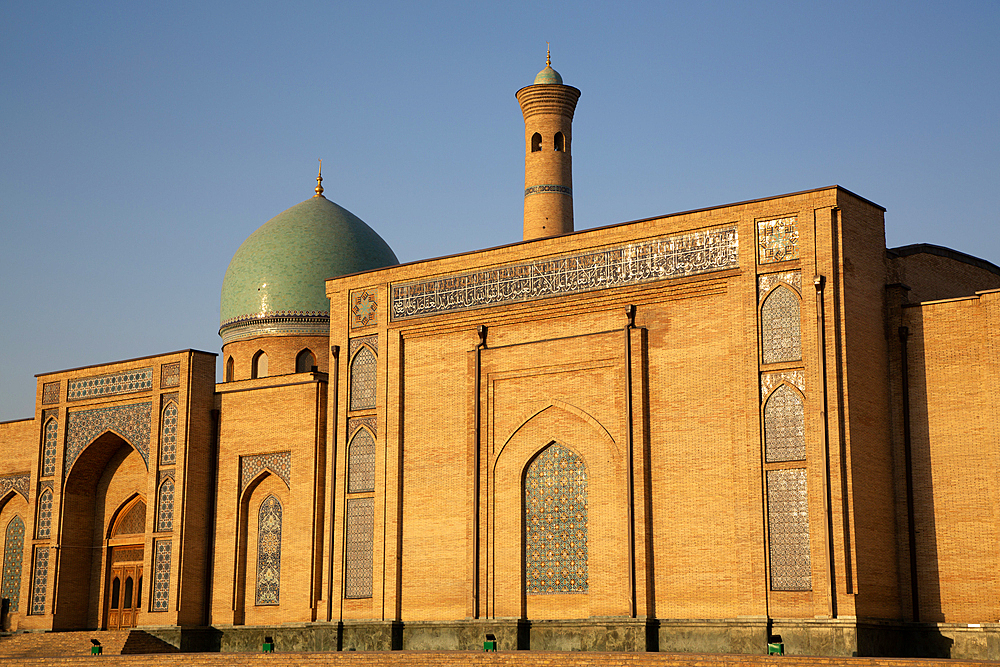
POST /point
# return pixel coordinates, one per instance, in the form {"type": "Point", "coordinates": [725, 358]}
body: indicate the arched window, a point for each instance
{"type": "Point", "coordinates": [361, 462]}
{"type": "Point", "coordinates": [13, 556]}
{"type": "Point", "coordinates": [168, 435]}
{"type": "Point", "coordinates": [555, 522]}
{"type": "Point", "coordinates": [363, 379]}
{"type": "Point", "coordinates": [259, 368]}
{"type": "Point", "coordinates": [305, 361]}
{"type": "Point", "coordinates": [558, 144]}
{"type": "Point", "coordinates": [269, 552]}
{"type": "Point", "coordinates": [536, 142]}
{"type": "Point", "coordinates": [230, 369]}
{"type": "Point", "coordinates": [49, 448]}
{"type": "Point", "coordinates": [116, 592]}
{"type": "Point", "coordinates": [44, 527]}
{"type": "Point", "coordinates": [784, 426]}
{"type": "Point", "coordinates": [781, 325]}
{"type": "Point", "coordinates": [165, 507]}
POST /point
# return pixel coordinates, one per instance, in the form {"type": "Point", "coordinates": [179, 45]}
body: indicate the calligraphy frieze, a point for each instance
{"type": "Point", "coordinates": [660, 258]}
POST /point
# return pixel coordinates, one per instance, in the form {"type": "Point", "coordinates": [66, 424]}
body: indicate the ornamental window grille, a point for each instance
{"type": "Point", "coordinates": [161, 575]}
{"type": "Point", "coordinates": [133, 520]}
{"type": "Point", "coordinates": [44, 527]}
{"type": "Point", "coordinates": [40, 581]}
{"type": "Point", "coordinates": [360, 543]}
{"type": "Point", "coordinates": [165, 507]}
{"type": "Point", "coordinates": [361, 462]}
{"type": "Point", "coordinates": [168, 435]}
{"type": "Point", "coordinates": [788, 530]}
{"type": "Point", "coordinates": [49, 448]}
{"type": "Point", "coordinates": [13, 555]}
{"type": "Point", "coordinates": [363, 379]}
{"type": "Point", "coordinates": [555, 522]}
{"type": "Point", "coordinates": [305, 361]}
{"type": "Point", "coordinates": [784, 426]}
{"type": "Point", "coordinates": [269, 552]}
{"type": "Point", "coordinates": [781, 325]}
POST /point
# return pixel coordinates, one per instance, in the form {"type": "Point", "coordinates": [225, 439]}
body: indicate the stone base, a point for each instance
{"type": "Point", "coordinates": [594, 634]}
{"type": "Point", "coordinates": [745, 636]}
{"type": "Point", "coordinates": [467, 635]}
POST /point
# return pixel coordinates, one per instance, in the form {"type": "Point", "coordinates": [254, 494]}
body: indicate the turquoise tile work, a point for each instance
{"type": "Point", "coordinates": [13, 554]}
{"type": "Point", "coordinates": [129, 421]}
{"type": "Point", "coordinates": [111, 384]}
{"type": "Point", "coordinates": [269, 552]}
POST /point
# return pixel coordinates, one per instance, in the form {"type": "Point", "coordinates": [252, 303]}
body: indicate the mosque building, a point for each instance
{"type": "Point", "coordinates": [692, 432]}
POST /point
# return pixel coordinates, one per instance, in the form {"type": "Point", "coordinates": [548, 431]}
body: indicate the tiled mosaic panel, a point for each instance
{"type": "Point", "coordinates": [784, 426]}
{"type": "Point", "coordinates": [354, 423]}
{"type": "Point", "coordinates": [170, 374]}
{"type": "Point", "coordinates": [364, 308]}
{"type": "Point", "coordinates": [50, 392]}
{"type": "Point", "coordinates": [44, 530]}
{"type": "Point", "coordinates": [555, 518]}
{"type": "Point", "coordinates": [780, 324]}
{"type": "Point", "coordinates": [17, 482]}
{"type": "Point", "coordinates": [168, 435]}
{"type": "Point", "coordinates": [631, 264]}
{"type": "Point", "coordinates": [280, 463]}
{"type": "Point", "coordinates": [769, 381]}
{"type": "Point", "coordinates": [355, 344]}
{"type": "Point", "coordinates": [126, 555]}
{"type": "Point", "coordinates": [540, 189]}
{"type": "Point", "coordinates": [788, 530]}
{"type": "Point", "coordinates": [40, 583]}
{"type": "Point", "coordinates": [49, 448]}
{"type": "Point", "coordinates": [360, 543]}
{"type": "Point", "coordinates": [767, 281]}
{"type": "Point", "coordinates": [161, 575]}
{"type": "Point", "coordinates": [110, 385]}
{"type": "Point", "coordinates": [269, 552]}
{"type": "Point", "coordinates": [134, 521]}
{"type": "Point", "coordinates": [165, 507]}
{"type": "Point", "coordinates": [361, 463]}
{"type": "Point", "coordinates": [129, 421]}
{"type": "Point", "coordinates": [13, 555]}
{"type": "Point", "coordinates": [777, 240]}
{"type": "Point", "coordinates": [363, 380]}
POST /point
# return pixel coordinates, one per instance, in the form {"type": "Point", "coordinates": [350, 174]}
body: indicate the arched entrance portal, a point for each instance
{"type": "Point", "coordinates": [125, 548]}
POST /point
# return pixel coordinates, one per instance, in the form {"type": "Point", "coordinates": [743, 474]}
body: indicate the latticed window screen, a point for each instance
{"type": "Point", "coordinates": [165, 507]}
{"type": "Point", "coordinates": [44, 529]}
{"type": "Point", "coordinates": [788, 530]}
{"type": "Point", "coordinates": [13, 555]}
{"type": "Point", "coordinates": [784, 426]}
{"type": "Point", "coordinates": [40, 582]}
{"type": "Point", "coordinates": [49, 448]}
{"type": "Point", "coordinates": [781, 326]}
{"type": "Point", "coordinates": [269, 552]}
{"type": "Point", "coordinates": [360, 535]}
{"type": "Point", "coordinates": [363, 379]}
{"type": "Point", "coordinates": [361, 463]}
{"type": "Point", "coordinates": [168, 435]}
{"type": "Point", "coordinates": [161, 575]}
{"type": "Point", "coordinates": [134, 521]}
{"type": "Point", "coordinates": [555, 518]}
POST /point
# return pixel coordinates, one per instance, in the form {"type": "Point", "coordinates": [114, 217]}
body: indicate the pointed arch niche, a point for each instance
{"type": "Point", "coordinates": [15, 532]}
{"type": "Point", "coordinates": [261, 596]}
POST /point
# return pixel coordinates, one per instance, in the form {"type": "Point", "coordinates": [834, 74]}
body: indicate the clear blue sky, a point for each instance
{"type": "Point", "coordinates": [141, 143]}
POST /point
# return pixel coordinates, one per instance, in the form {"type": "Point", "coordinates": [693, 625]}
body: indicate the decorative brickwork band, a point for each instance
{"type": "Point", "coordinates": [538, 189]}
{"type": "Point", "coordinates": [50, 392]}
{"type": "Point", "coordinates": [280, 463]}
{"type": "Point", "coordinates": [364, 308]}
{"type": "Point", "coordinates": [632, 264]}
{"type": "Point", "coordinates": [40, 581]}
{"type": "Point", "coordinates": [354, 423]}
{"type": "Point", "coordinates": [17, 482]}
{"type": "Point", "coordinates": [111, 384]}
{"type": "Point", "coordinates": [13, 555]}
{"type": "Point", "coordinates": [170, 374]}
{"type": "Point", "coordinates": [161, 575]}
{"type": "Point", "coordinates": [766, 282]}
{"type": "Point", "coordinates": [269, 552]}
{"type": "Point", "coordinates": [131, 422]}
{"type": "Point", "coordinates": [358, 573]}
{"type": "Point", "coordinates": [788, 530]}
{"type": "Point", "coordinates": [778, 240]}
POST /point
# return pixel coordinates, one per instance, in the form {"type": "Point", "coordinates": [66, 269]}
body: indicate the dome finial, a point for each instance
{"type": "Point", "coordinates": [319, 181]}
{"type": "Point", "coordinates": [548, 54]}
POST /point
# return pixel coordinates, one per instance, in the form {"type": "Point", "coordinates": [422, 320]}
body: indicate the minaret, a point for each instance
{"type": "Point", "coordinates": [548, 108]}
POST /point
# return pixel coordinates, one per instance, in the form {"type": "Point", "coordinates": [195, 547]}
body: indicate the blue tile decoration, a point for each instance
{"type": "Point", "coordinates": [778, 240]}
{"type": "Point", "coordinates": [13, 555]}
{"type": "Point", "coordinates": [168, 435]}
{"type": "Point", "coordinates": [784, 426]}
{"type": "Point", "coordinates": [363, 367]}
{"type": "Point", "coordinates": [355, 344]}
{"type": "Point", "coordinates": [788, 530]}
{"type": "Point", "coordinates": [17, 482]}
{"type": "Point", "coordinates": [369, 422]}
{"type": "Point", "coordinates": [645, 261]}
{"type": "Point", "coordinates": [133, 522]}
{"type": "Point", "coordinates": [364, 308]}
{"type": "Point", "coordinates": [539, 189]}
{"type": "Point", "coordinates": [358, 572]}
{"type": "Point", "coordinates": [781, 326]}
{"type": "Point", "coordinates": [276, 323]}
{"type": "Point", "coordinates": [361, 463]}
{"type": "Point", "coordinates": [170, 374]}
{"type": "Point", "coordinates": [555, 521]}
{"type": "Point", "coordinates": [40, 582]}
{"type": "Point", "coordinates": [269, 552]}
{"type": "Point", "coordinates": [112, 384]}
{"type": "Point", "coordinates": [161, 574]}
{"type": "Point", "coordinates": [44, 526]}
{"type": "Point", "coordinates": [165, 506]}
{"type": "Point", "coordinates": [49, 439]}
{"type": "Point", "coordinates": [50, 392]}
{"type": "Point", "coordinates": [280, 463]}
{"type": "Point", "coordinates": [131, 422]}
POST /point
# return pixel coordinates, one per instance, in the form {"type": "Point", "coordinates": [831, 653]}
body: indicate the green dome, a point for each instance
{"type": "Point", "coordinates": [548, 75]}
{"type": "Point", "coordinates": [275, 283]}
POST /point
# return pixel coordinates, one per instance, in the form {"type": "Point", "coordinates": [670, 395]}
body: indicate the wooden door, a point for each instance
{"type": "Point", "coordinates": [124, 587]}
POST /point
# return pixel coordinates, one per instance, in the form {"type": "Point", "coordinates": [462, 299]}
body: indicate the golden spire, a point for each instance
{"type": "Point", "coordinates": [319, 181]}
{"type": "Point", "coordinates": [548, 54]}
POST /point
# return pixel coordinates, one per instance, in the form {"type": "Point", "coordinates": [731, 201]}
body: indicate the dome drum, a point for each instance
{"type": "Point", "coordinates": [280, 323]}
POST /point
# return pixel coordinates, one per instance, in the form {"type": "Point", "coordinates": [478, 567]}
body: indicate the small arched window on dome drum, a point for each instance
{"type": "Point", "coordinates": [230, 369]}
{"type": "Point", "coordinates": [305, 362]}
{"type": "Point", "coordinates": [536, 142]}
{"type": "Point", "coordinates": [559, 143]}
{"type": "Point", "coordinates": [259, 367]}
